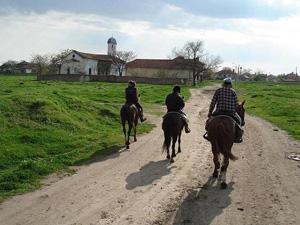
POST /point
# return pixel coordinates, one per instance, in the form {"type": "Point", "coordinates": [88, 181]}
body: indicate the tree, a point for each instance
{"type": "Point", "coordinates": [197, 59]}
{"type": "Point", "coordinates": [42, 63]}
{"type": "Point", "coordinates": [121, 58]}
{"type": "Point", "coordinates": [9, 66]}
{"type": "Point", "coordinates": [57, 60]}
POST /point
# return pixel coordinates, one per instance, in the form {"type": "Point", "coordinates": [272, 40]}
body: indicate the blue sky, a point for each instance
{"type": "Point", "coordinates": [261, 35]}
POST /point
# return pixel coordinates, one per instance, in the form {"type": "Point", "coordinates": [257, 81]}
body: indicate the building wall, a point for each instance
{"type": "Point", "coordinates": [159, 73]}
{"type": "Point", "coordinates": [114, 79]}
{"type": "Point", "coordinates": [86, 66]}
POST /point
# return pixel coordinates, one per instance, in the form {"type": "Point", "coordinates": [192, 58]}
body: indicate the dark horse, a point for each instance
{"type": "Point", "coordinates": [129, 113]}
{"type": "Point", "coordinates": [172, 126]}
{"type": "Point", "coordinates": [221, 130]}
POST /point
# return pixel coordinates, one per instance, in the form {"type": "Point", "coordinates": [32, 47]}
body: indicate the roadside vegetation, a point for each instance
{"type": "Point", "coordinates": [47, 127]}
{"type": "Point", "coordinates": [279, 103]}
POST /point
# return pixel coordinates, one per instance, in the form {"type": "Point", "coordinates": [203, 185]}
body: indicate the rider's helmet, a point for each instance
{"type": "Point", "coordinates": [227, 80]}
{"type": "Point", "coordinates": [131, 83]}
{"type": "Point", "coordinates": [176, 89]}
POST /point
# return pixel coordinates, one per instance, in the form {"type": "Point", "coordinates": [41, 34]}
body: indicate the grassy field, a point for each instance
{"type": "Point", "coordinates": [46, 127]}
{"type": "Point", "coordinates": [278, 103]}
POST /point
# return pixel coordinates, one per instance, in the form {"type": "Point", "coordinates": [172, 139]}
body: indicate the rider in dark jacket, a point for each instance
{"type": "Point", "coordinates": [175, 103]}
{"type": "Point", "coordinates": [132, 96]}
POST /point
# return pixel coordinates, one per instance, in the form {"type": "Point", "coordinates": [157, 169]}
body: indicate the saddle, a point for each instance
{"type": "Point", "coordinates": [182, 114]}
{"type": "Point", "coordinates": [172, 112]}
{"type": "Point", "coordinates": [234, 119]}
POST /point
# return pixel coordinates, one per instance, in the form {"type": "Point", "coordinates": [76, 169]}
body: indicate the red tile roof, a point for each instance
{"type": "Point", "coordinates": [177, 63]}
{"type": "Point", "coordinates": [93, 56]}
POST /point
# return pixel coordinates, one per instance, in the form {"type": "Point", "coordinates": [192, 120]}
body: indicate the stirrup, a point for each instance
{"type": "Point", "coordinates": [238, 140]}
{"type": "Point", "coordinates": [143, 119]}
{"type": "Point", "coordinates": [205, 136]}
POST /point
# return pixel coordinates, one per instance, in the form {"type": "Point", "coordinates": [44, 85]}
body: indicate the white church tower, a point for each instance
{"type": "Point", "coordinates": [112, 46]}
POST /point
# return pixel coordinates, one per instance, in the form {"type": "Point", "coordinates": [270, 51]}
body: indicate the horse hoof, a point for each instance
{"type": "Point", "coordinates": [179, 151]}
{"type": "Point", "coordinates": [215, 174]}
{"type": "Point", "coordinates": [168, 157]}
{"type": "Point", "coordinates": [223, 185]}
{"type": "Point", "coordinates": [172, 161]}
{"type": "Point", "coordinates": [174, 155]}
{"type": "Point", "coordinates": [127, 147]}
{"type": "Point", "coordinates": [135, 140]}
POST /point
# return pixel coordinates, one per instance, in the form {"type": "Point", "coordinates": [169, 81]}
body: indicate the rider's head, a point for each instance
{"type": "Point", "coordinates": [131, 83]}
{"type": "Point", "coordinates": [176, 89]}
{"type": "Point", "coordinates": [227, 81]}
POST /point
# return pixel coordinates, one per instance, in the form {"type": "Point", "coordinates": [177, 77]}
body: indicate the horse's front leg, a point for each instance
{"type": "Point", "coordinates": [223, 173]}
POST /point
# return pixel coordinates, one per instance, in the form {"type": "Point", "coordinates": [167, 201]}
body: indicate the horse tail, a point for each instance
{"type": "Point", "coordinates": [223, 145]}
{"type": "Point", "coordinates": [123, 113]}
{"type": "Point", "coordinates": [168, 136]}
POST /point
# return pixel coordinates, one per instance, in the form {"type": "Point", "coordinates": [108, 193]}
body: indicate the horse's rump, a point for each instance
{"type": "Point", "coordinates": [172, 126]}
{"type": "Point", "coordinates": [221, 131]}
{"type": "Point", "coordinates": [129, 112]}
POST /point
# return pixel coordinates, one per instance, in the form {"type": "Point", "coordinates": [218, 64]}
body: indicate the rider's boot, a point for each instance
{"type": "Point", "coordinates": [238, 134]}
{"type": "Point", "coordinates": [142, 118]}
{"type": "Point", "coordinates": [186, 127]}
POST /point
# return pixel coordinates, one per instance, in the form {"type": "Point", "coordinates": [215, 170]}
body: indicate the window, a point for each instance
{"type": "Point", "coordinates": [90, 71]}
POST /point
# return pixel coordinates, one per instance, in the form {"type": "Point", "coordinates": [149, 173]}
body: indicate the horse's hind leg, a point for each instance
{"type": "Point", "coordinates": [223, 173]}
{"type": "Point", "coordinates": [134, 133]}
{"type": "Point", "coordinates": [128, 136]}
{"type": "Point", "coordinates": [124, 131]}
{"type": "Point", "coordinates": [216, 160]}
{"type": "Point", "coordinates": [179, 141]}
{"type": "Point", "coordinates": [174, 139]}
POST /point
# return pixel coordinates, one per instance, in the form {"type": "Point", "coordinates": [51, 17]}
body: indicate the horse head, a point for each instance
{"type": "Point", "coordinates": [241, 111]}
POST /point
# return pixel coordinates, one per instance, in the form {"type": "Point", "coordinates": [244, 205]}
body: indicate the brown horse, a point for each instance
{"type": "Point", "coordinates": [172, 126]}
{"type": "Point", "coordinates": [221, 131]}
{"type": "Point", "coordinates": [129, 113]}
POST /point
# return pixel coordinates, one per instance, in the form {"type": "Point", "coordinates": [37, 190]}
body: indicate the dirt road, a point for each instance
{"type": "Point", "coordinates": [139, 186]}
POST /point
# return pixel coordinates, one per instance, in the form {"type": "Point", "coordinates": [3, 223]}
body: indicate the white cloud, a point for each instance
{"type": "Point", "coordinates": [268, 45]}
{"type": "Point", "coordinates": [283, 2]}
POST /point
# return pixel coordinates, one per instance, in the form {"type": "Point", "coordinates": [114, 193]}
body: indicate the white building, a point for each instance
{"type": "Point", "coordinates": [92, 64]}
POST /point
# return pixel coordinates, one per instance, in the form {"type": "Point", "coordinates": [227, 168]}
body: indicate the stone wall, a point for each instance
{"type": "Point", "coordinates": [114, 79]}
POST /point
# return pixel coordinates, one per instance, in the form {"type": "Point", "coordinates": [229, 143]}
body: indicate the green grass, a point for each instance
{"type": "Point", "coordinates": [278, 103]}
{"type": "Point", "coordinates": [46, 127]}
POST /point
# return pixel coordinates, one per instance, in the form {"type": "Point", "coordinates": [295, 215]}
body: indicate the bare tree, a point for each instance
{"type": "Point", "coordinates": [57, 60]}
{"type": "Point", "coordinates": [10, 65]}
{"type": "Point", "coordinates": [121, 58]}
{"type": "Point", "coordinates": [197, 59]}
{"type": "Point", "coordinates": [42, 62]}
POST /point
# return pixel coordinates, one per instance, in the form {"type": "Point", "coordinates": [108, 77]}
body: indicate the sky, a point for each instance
{"type": "Point", "coordinates": [257, 35]}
